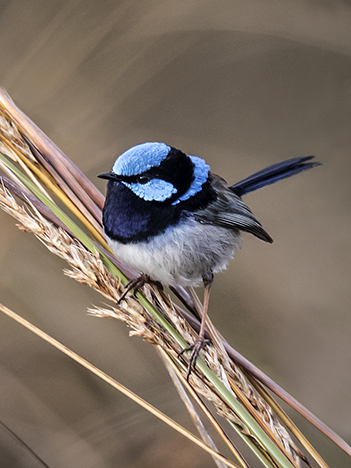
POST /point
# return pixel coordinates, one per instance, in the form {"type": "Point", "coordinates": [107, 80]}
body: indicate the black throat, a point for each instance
{"type": "Point", "coordinates": [129, 219]}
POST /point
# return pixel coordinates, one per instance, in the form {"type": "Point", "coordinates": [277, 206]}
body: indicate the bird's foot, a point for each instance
{"type": "Point", "coordinates": [136, 284]}
{"type": "Point", "coordinates": [195, 349]}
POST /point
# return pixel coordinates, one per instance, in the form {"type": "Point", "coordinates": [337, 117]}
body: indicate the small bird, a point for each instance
{"type": "Point", "coordinates": [172, 219]}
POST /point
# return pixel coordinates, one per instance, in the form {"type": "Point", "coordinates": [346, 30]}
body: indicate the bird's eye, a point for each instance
{"type": "Point", "coordinates": [143, 179]}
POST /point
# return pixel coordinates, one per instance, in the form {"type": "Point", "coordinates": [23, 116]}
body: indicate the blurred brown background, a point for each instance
{"type": "Point", "coordinates": [244, 85]}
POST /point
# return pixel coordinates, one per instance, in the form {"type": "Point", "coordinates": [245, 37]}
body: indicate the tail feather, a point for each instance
{"type": "Point", "coordinates": [273, 174]}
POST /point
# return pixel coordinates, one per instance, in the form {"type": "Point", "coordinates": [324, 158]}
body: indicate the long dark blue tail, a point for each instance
{"type": "Point", "coordinates": [272, 174]}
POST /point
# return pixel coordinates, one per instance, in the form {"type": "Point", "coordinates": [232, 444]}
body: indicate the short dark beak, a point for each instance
{"type": "Point", "coordinates": [109, 176]}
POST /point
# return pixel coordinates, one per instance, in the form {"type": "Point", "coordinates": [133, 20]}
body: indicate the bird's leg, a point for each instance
{"type": "Point", "coordinates": [200, 340]}
{"type": "Point", "coordinates": [136, 284]}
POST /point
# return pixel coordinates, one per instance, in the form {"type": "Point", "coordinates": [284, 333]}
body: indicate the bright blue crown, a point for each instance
{"type": "Point", "coordinates": [140, 158]}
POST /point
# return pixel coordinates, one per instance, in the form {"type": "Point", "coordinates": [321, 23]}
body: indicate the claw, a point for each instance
{"type": "Point", "coordinates": [195, 351]}
{"type": "Point", "coordinates": [136, 284]}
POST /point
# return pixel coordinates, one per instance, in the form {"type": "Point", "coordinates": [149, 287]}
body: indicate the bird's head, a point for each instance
{"type": "Point", "coordinates": [156, 172]}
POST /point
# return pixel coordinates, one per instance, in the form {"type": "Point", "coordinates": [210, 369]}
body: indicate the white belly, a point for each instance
{"type": "Point", "coordinates": [183, 255]}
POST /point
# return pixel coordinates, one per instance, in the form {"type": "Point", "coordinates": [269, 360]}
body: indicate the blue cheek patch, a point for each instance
{"type": "Point", "coordinates": [140, 158]}
{"type": "Point", "coordinates": [154, 190]}
{"type": "Point", "coordinates": [201, 170]}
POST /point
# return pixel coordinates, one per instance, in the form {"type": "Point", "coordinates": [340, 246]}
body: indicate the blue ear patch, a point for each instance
{"type": "Point", "coordinates": [154, 190]}
{"type": "Point", "coordinates": [140, 158]}
{"type": "Point", "coordinates": [201, 170]}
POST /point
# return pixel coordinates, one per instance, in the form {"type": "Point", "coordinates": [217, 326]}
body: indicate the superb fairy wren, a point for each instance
{"type": "Point", "coordinates": [172, 219]}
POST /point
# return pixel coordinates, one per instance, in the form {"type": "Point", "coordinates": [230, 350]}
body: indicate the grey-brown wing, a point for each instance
{"type": "Point", "coordinates": [229, 211]}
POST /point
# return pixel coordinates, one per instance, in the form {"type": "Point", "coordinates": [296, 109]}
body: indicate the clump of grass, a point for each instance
{"type": "Point", "coordinates": [88, 268]}
{"type": "Point", "coordinates": [222, 377]}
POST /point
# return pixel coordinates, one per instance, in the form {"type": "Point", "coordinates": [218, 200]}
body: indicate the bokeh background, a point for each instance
{"type": "Point", "coordinates": [244, 85]}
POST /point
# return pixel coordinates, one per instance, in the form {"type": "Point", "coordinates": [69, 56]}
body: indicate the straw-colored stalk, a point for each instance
{"type": "Point", "coordinates": [88, 268]}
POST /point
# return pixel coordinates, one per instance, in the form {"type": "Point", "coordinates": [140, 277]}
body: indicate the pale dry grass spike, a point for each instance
{"type": "Point", "coordinates": [88, 269]}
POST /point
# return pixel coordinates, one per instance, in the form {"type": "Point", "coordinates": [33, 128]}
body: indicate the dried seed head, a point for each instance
{"type": "Point", "coordinates": [87, 268]}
